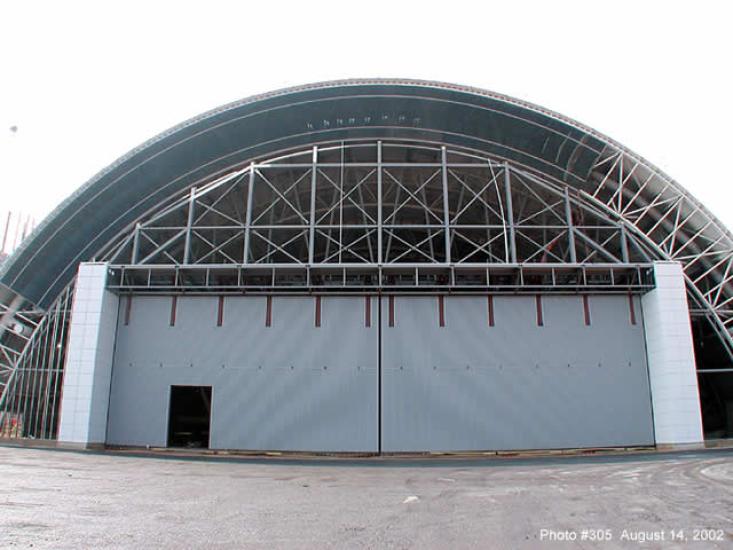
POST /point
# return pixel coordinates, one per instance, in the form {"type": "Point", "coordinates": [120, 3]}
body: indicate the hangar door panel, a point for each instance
{"type": "Point", "coordinates": [291, 386]}
{"type": "Point", "coordinates": [514, 385]}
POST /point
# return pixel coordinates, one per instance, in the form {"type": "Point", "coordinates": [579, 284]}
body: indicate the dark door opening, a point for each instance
{"type": "Point", "coordinates": [189, 417]}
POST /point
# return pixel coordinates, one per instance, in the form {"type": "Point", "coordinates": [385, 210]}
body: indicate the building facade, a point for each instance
{"type": "Point", "coordinates": [372, 267]}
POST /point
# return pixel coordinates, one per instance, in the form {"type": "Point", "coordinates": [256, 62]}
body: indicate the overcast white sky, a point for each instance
{"type": "Point", "coordinates": [84, 82]}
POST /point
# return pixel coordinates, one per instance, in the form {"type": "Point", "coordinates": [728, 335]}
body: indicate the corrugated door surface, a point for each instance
{"type": "Point", "coordinates": [578, 379]}
{"type": "Point", "coordinates": [292, 385]}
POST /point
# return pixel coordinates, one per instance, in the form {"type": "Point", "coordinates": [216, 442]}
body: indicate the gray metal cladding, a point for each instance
{"type": "Point", "coordinates": [290, 386]}
{"type": "Point", "coordinates": [516, 385]}
{"type": "Point", "coordinates": [294, 386]}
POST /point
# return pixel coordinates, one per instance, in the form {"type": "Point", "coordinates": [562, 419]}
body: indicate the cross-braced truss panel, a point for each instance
{"type": "Point", "coordinates": [378, 205]}
{"type": "Point", "coordinates": [672, 226]}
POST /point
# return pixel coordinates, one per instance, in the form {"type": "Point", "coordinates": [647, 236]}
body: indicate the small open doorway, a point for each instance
{"type": "Point", "coordinates": [189, 417]}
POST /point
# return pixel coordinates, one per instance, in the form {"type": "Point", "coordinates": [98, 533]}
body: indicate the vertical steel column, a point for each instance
{"type": "Point", "coordinates": [366, 224]}
{"type": "Point", "coordinates": [34, 368]}
{"type": "Point", "coordinates": [446, 211]}
{"type": "Point", "coordinates": [487, 222]}
{"type": "Point", "coordinates": [189, 223]}
{"type": "Point", "coordinates": [51, 372]}
{"type": "Point", "coordinates": [135, 244]}
{"type": "Point", "coordinates": [510, 215]}
{"type": "Point", "coordinates": [248, 216]}
{"type": "Point", "coordinates": [341, 206]}
{"type": "Point", "coordinates": [427, 222]}
{"type": "Point", "coordinates": [312, 224]}
{"type": "Point", "coordinates": [30, 370]}
{"type": "Point", "coordinates": [624, 246]}
{"type": "Point", "coordinates": [379, 203]}
{"type": "Point", "coordinates": [58, 381]}
{"type": "Point", "coordinates": [571, 229]}
{"type": "Point", "coordinates": [39, 428]}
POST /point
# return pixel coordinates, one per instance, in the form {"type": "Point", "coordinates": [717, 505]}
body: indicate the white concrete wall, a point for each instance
{"type": "Point", "coordinates": [89, 358]}
{"type": "Point", "coordinates": [671, 359]}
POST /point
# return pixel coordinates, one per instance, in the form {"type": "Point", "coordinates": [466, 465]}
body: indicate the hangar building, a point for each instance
{"type": "Point", "coordinates": [372, 266]}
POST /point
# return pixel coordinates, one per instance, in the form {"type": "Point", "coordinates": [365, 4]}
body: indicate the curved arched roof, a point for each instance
{"type": "Point", "coordinates": [229, 137]}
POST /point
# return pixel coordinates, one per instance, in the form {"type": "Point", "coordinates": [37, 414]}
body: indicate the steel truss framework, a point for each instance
{"type": "Point", "coordinates": [397, 216]}
{"type": "Point", "coordinates": [381, 214]}
{"type": "Point", "coordinates": [377, 216]}
{"type": "Point", "coordinates": [19, 321]}
{"type": "Point", "coordinates": [675, 227]}
{"type": "Point", "coordinates": [32, 378]}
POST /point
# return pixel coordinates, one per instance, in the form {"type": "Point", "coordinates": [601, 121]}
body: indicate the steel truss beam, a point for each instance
{"type": "Point", "coordinates": [479, 210]}
{"type": "Point", "coordinates": [349, 278]}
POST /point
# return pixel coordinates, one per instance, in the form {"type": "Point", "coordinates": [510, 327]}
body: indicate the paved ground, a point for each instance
{"type": "Point", "coordinates": [81, 500]}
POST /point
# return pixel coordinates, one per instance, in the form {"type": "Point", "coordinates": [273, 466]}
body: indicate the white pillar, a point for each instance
{"type": "Point", "coordinates": [88, 369]}
{"type": "Point", "coordinates": [671, 359]}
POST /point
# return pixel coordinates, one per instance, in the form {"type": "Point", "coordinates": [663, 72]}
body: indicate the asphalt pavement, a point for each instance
{"type": "Point", "coordinates": [62, 499]}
